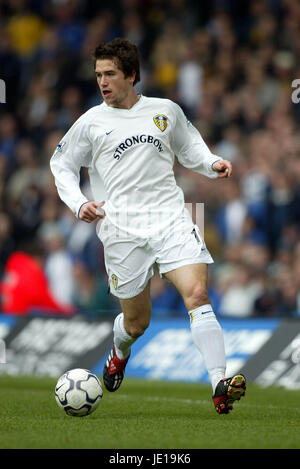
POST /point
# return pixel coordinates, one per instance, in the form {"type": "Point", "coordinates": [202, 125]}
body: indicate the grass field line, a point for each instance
{"type": "Point", "coordinates": [163, 399]}
{"type": "Point", "coordinates": [196, 401]}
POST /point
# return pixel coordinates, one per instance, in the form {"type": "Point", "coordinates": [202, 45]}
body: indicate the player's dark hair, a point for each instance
{"type": "Point", "coordinates": [124, 53]}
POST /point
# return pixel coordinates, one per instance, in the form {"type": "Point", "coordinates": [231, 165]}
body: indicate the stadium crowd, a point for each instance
{"type": "Point", "coordinates": [230, 65]}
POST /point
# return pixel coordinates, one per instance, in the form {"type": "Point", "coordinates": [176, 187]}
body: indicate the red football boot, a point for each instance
{"type": "Point", "coordinates": [113, 372]}
{"type": "Point", "coordinates": [228, 391]}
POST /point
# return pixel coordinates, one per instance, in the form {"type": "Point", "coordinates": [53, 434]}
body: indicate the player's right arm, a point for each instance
{"type": "Point", "coordinates": [91, 211]}
{"type": "Point", "coordinates": [73, 152]}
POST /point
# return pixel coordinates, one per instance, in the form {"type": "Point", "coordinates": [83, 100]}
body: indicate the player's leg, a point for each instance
{"type": "Point", "coordinates": [191, 283]}
{"type": "Point", "coordinates": [132, 322]}
{"type": "Point", "coordinates": [128, 326]}
{"type": "Point", "coordinates": [129, 265]}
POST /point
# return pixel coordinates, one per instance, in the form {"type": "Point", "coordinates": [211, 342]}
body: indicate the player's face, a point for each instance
{"type": "Point", "coordinates": [114, 87]}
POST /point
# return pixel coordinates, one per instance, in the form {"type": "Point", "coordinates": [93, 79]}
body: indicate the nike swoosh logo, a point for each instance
{"type": "Point", "coordinates": [107, 133]}
{"type": "Point", "coordinates": [205, 312]}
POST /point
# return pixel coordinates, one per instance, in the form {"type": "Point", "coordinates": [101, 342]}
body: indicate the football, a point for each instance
{"type": "Point", "coordinates": [78, 392]}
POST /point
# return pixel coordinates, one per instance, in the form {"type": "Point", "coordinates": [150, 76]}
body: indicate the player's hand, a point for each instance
{"type": "Point", "coordinates": [91, 211]}
{"type": "Point", "coordinates": [223, 168]}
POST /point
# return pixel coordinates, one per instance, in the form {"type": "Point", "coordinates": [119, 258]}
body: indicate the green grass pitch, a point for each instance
{"type": "Point", "coordinates": [147, 414]}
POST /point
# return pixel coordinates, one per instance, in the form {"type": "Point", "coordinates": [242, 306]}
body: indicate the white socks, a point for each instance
{"type": "Point", "coordinates": [122, 340]}
{"type": "Point", "coordinates": [208, 338]}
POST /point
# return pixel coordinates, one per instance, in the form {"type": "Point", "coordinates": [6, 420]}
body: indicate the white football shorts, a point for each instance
{"type": "Point", "coordinates": [131, 261]}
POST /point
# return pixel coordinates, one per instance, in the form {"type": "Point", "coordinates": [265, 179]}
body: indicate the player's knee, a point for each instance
{"type": "Point", "coordinates": [137, 328]}
{"type": "Point", "coordinates": [197, 296]}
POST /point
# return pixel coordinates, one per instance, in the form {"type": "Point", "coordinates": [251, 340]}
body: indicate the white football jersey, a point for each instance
{"type": "Point", "coordinates": [131, 152]}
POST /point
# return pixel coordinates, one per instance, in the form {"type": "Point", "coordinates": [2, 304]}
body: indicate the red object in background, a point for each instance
{"type": "Point", "coordinates": [24, 288]}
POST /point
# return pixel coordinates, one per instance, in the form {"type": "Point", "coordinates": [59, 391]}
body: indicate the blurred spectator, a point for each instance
{"type": "Point", "coordinates": [91, 296]}
{"type": "Point", "coordinates": [37, 103]}
{"type": "Point", "coordinates": [239, 292]}
{"type": "Point", "coordinates": [7, 242]}
{"type": "Point", "coordinates": [190, 71]}
{"type": "Point", "coordinates": [229, 145]}
{"type": "Point", "coordinates": [70, 27]}
{"type": "Point", "coordinates": [58, 263]}
{"type": "Point", "coordinates": [28, 172]}
{"type": "Point", "coordinates": [70, 109]}
{"type": "Point", "coordinates": [279, 208]}
{"type": "Point", "coordinates": [166, 59]}
{"type": "Point", "coordinates": [25, 28]}
{"type": "Point", "coordinates": [231, 217]}
{"type": "Point", "coordinates": [10, 66]}
{"type": "Point", "coordinates": [8, 135]}
{"type": "Point", "coordinates": [25, 289]}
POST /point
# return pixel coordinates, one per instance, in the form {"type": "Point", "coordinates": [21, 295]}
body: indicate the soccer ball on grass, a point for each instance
{"type": "Point", "coordinates": [78, 392]}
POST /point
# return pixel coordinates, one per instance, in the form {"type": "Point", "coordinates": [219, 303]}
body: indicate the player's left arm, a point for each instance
{"type": "Point", "coordinates": [191, 150]}
{"type": "Point", "coordinates": [223, 168]}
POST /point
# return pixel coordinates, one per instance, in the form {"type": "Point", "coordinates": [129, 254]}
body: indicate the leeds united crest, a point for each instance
{"type": "Point", "coordinates": [114, 279]}
{"type": "Point", "coordinates": [161, 121]}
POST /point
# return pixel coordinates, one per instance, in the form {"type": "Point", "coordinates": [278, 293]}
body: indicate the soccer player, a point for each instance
{"type": "Point", "coordinates": [129, 143]}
